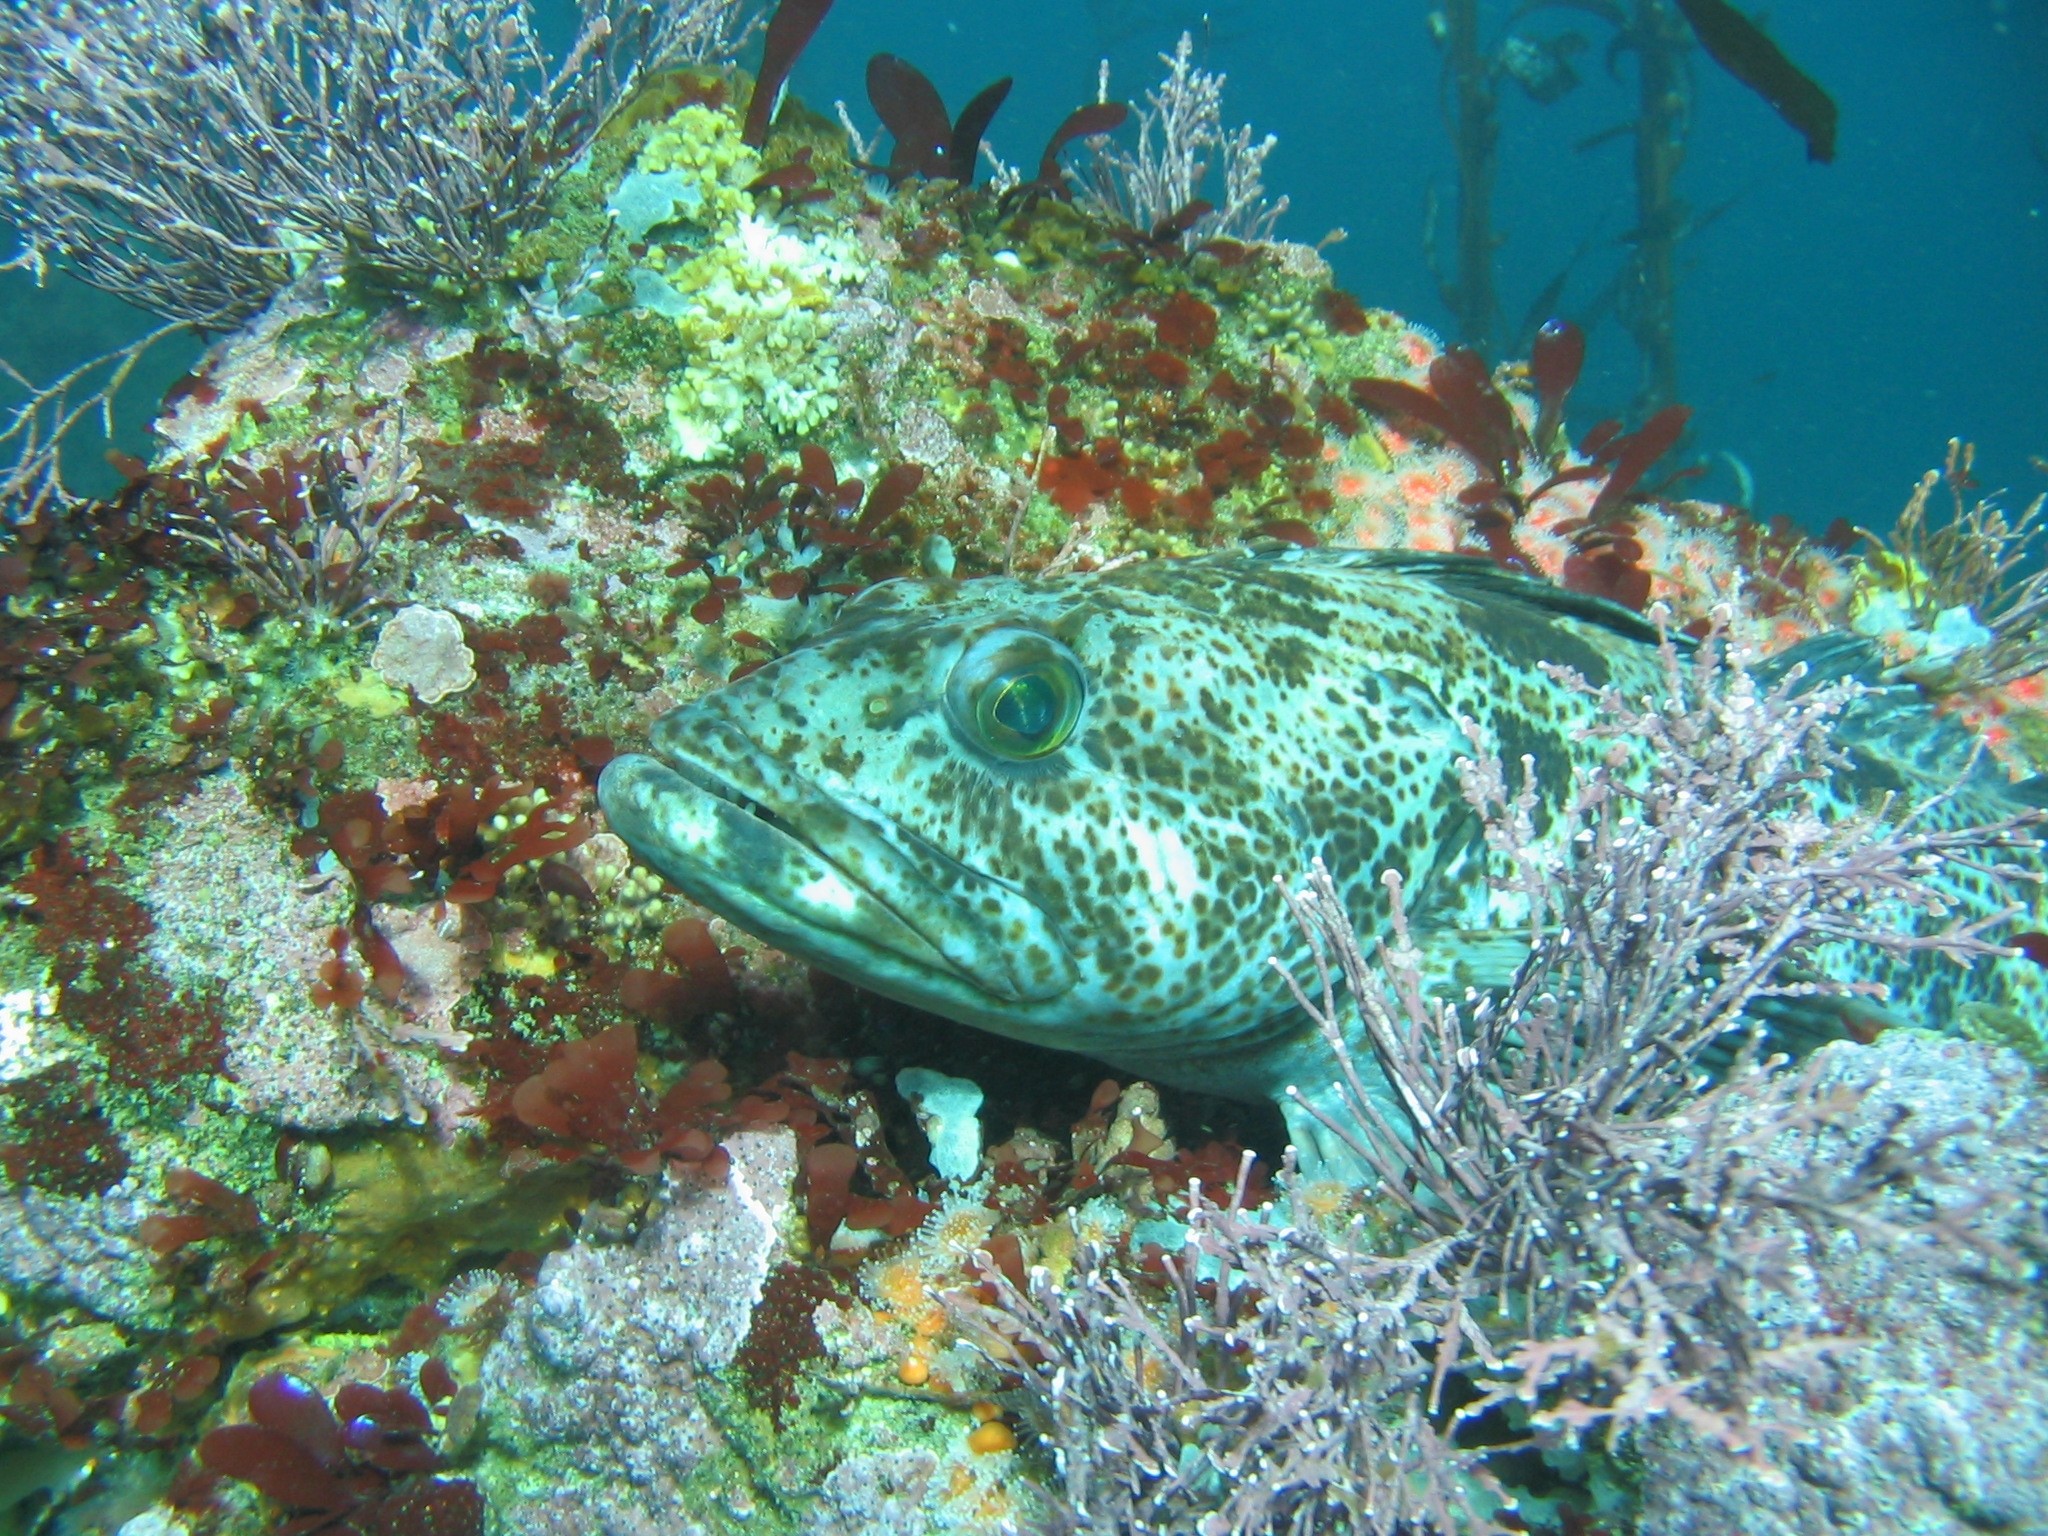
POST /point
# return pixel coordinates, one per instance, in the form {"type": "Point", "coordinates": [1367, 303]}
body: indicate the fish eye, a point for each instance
{"type": "Point", "coordinates": [1015, 693]}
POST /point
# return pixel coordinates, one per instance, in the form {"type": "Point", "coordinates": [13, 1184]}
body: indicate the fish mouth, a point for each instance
{"type": "Point", "coordinates": [825, 878]}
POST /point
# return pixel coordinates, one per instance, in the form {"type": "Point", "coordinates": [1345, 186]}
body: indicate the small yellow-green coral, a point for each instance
{"type": "Point", "coordinates": [750, 298]}
{"type": "Point", "coordinates": [705, 143]}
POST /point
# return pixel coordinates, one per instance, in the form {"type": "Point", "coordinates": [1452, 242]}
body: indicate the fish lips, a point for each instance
{"type": "Point", "coordinates": [800, 867]}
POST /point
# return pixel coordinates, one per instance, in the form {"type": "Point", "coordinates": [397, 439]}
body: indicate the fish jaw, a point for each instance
{"type": "Point", "coordinates": [804, 870]}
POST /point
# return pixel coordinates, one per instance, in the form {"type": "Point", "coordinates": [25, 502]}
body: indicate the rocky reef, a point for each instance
{"type": "Point", "coordinates": [1932, 1422]}
{"type": "Point", "coordinates": [385, 1149]}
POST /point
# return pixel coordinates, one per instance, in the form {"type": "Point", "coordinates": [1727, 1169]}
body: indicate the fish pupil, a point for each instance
{"type": "Point", "coordinates": [1028, 705]}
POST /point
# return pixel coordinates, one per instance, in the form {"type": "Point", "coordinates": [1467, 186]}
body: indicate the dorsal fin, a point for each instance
{"type": "Point", "coordinates": [1893, 722]}
{"type": "Point", "coordinates": [1476, 579]}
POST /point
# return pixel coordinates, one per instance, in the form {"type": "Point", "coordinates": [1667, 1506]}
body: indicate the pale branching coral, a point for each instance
{"type": "Point", "coordinates": [1723, 828]}
{"type": "Point", "coordinates": [1317, 1422]}
{"type": "Point", "coordinates": [1179, 130]}
{"type": "Point", "coordinates": [185, 157]}
{"type": "Point", "coordinates": [191, 159]}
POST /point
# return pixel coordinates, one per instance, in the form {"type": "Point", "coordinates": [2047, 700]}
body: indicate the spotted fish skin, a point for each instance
{"type": "Point", "coordinates": [1239, 713]}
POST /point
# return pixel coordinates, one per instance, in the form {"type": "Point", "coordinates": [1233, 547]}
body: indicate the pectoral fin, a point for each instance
{"type": "Point", "coordinates": [1486, 959]}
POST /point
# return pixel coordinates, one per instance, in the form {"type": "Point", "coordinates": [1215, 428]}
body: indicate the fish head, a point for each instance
{"type": "Point", "coordinates": [1053, 810]}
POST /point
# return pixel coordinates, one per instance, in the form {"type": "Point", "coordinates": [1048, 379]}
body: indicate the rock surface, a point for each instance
{"type": "Point", "coordinates": [592, 1386]}
{"type": "Point", "coordinates": [1938, 1425]}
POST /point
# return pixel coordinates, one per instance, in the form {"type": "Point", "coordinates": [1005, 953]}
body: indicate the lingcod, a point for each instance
{"type": "Point", "coordinates": [1054, 809]}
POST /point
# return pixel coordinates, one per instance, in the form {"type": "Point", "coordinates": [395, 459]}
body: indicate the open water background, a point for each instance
{"type": "Point", "coordinates": [1837, 323]}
